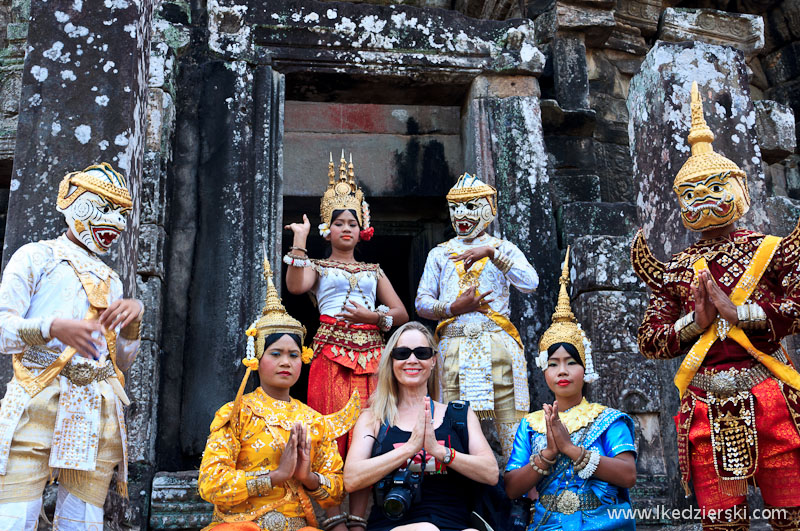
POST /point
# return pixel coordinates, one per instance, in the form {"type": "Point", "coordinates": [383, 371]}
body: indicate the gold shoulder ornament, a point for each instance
{"type": "Point", "coordinates": [646, 266]}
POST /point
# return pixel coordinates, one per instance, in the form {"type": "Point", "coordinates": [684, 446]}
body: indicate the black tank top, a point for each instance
{"type": "Point", "coordinates": [447, 496]}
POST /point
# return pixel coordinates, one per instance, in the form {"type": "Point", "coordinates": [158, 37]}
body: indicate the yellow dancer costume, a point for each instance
{"type": "Point", "coordinates": [484, 361]}
{"type": "Point", "coordinates": [248, 436]}
{"type": "Point", "coordinates": [62, 413]}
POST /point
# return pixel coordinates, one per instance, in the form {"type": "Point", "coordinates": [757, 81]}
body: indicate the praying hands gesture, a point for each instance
{"type": "Point", "coordinates": [296, 459]}
{"type": "Point", "coordinates": [558, 439]}
{"type": "Point", "coordinates": [710, 301]}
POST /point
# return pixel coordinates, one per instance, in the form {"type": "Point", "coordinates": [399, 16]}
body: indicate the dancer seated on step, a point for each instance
{"type": "Point", "coordinates": [580, 456]}
{"type": "Point", "coordinates": [268, 455]}
{"type": "Point", "coordinates": [424, 459]}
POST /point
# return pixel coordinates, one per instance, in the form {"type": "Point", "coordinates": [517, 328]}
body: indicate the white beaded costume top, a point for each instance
{"type": "Point", "coordinates": [340, 282]}
{"type": "Point", "coordinates": [38, 285]}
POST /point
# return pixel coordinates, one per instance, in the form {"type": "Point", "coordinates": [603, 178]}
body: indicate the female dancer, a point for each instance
{"type": "Point", "coordinates": [269, 454]}
{"type": "Point", "coordinates": [580, 456]}
{"type": "Point", "coordinates": [348, 343]}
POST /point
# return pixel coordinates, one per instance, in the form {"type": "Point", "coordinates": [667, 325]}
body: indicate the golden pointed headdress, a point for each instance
{"type": "Point", "coordinates": [343, 194]}
{"type": "Point", "coordinates": [274, 317]}
{"type": "Point", "coordinates": [704, 161]}
{"type": "Point", "coordinates": [101, 179]}
{"type": "Point", "coordinates": [470, 187]}
{"type": "Point", "coordinates": [566, 329]}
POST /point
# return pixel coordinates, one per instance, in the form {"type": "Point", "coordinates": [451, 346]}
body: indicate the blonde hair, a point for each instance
{"type": "Point", "coordinates": [383, 402]}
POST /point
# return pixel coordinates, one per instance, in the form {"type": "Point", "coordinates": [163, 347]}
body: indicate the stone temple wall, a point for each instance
{"type": "Point", "coordinates": [547, 99]}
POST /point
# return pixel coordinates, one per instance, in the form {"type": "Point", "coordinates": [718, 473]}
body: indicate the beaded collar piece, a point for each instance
{"type": "Point", "coordinates": [574, 418]}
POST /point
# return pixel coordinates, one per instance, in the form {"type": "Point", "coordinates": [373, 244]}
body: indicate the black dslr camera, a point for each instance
{"type": "Point", "coordinates": [397, 491]}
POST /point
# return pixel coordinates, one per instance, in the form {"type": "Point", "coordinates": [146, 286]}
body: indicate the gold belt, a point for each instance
{"type": "Point", "coordinates": [472, 330]}
{"type": "Point", "coordinates": [81, 374]}
{"type": "Point", "coordinates": [275, 521]}
{"type": "Point", "coordinates": [731, 381]}
{"type": "Point", "coordinates": [568, 501]}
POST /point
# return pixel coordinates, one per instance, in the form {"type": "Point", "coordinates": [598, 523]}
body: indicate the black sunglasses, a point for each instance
{"type": "Point", "coordinates": [421, 353]}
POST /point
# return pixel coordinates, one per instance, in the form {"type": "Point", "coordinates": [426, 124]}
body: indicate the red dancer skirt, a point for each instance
{"type": "Point", "coordinates": [346, 358]}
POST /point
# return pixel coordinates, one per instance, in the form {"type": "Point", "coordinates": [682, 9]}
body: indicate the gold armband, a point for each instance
{"type": "Point", "coordinates": [258, 485]}
{"type": "Point", "coordinates": [751, 316]}
{"type": "Point", "coordinates": [32, 335]}
{"type": "Point", "coordinates": [441, 310]}
{"type": "Point", "coordinates": [687, 328]}
{"type": "Point", "coordinates": [502, 262]}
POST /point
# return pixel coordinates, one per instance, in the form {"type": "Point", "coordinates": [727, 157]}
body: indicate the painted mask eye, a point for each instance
{"type": "Point", "coordinates": [689, 195]}
{"type": "Point", "coordinates": [716, 188]}
{"type": "Point", "coordinates": [471, 206]}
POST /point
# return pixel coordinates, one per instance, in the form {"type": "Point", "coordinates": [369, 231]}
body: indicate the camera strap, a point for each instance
{"type": "Point", "coordinates": [458, 420]}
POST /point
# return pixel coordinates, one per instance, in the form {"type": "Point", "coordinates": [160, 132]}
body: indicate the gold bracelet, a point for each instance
{"type": "Point", "coordinates": [502, 262]}
{"type": "Point", "coordinates": [132, 332]}
{"type": "Point", "coordinates": [32, 335]}
{"type": "Point", "coordinates": [751, 316]}
{"type": "Point", "coordinates": [687, 328]}
{"type": "Point", "coordinates": [260, 485]}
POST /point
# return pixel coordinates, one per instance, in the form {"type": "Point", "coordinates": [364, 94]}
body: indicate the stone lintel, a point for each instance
{"type": "Point", "coordinates": [642, 14]}
{"type": "Point", "coordinates": [592, 23]}
{"type": "Point", "coordinates": [342, 38]}
{"type": "Point", "coordinates": [743, 32]}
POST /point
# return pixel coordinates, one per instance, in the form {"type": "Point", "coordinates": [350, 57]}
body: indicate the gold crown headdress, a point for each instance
{"type": "Point", "coordinates": [112, 186]}
{"type": "Point", "coordinates": [343, 194]}
{"type": "Point", "coordinates": [566, 329]}
{"type": "Point", "coordinates": [470, 187]}
{"type": "Point", "coordinates": [704, 161]}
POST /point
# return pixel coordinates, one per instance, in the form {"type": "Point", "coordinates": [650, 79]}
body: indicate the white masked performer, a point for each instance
{"type": "Point", "coordinates": [465, 286]}
{"type": "Point", "coordinates": [70, 334]}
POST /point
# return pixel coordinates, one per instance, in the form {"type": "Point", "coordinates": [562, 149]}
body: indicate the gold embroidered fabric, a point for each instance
{"type": "Point", "coordinates": [574, 418]}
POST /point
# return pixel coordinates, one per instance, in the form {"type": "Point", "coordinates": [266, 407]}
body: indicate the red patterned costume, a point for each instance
{"type": "Point", "coordinates": [739, 419]}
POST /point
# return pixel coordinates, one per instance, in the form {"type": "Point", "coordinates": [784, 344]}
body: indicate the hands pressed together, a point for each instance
{"type": "Point", "coordinates": [423, 436]}
{"type": "Point", "coordinates": [296, 459]}
{"type": "Point", "coordinates": [86, 336]}
{"type": "Point", "coordinates": [558, 439]}
{"type": "Point", "coordinates": [710, 301]}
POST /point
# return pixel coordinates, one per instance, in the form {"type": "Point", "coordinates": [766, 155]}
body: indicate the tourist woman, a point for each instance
{"type": "Point", "coordinates": [579, 456]}
{"type": "Point", "coordinates": [405, 430]}
{"type": "Point", "coordinates": [268, 455]}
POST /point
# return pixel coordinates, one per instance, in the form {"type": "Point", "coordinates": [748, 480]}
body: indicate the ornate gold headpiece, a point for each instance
{"type": "Point", "coordinates": [343, 194]}
{"type": "Point", "coordinates": [274, 318]}
{"type": "Point", "coordinates": [566, 329]}
{"type": "Point", "coordinates": [470, 187]}
{"type": "Point", "coordinates": [113, 187]}
{"type": "Point", "coordinates": [704, 161]}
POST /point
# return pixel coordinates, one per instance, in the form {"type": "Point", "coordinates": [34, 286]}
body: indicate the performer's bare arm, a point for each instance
{"type": "Point", "coordinates": [300, 280]}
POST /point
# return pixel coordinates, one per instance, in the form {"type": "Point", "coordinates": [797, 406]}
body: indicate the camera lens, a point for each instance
{"type": "Point", "coordinates": [396, 504]}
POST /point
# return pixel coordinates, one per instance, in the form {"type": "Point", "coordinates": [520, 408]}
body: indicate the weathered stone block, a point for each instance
{"type": "Point", "coordinates": [577, 122]}
{"type": "Point", "coordinates": [775, 128]}
{"type": "Point", "coordinates": [627, 382]}
{"type": "Point", "coordinates": [743, 32]}
{"type": "Point", "coordinates": [154, 188]}
{"type": "Point", "coordinates": [628, 39]}
{"type": "Point", "coordinates": [611, 318]}
{"type": "Point", "coordinates": [150, 291]}
{"type": "Point", "coordinates": [151, 250]}
{"type": "Point", "coordinates": [758, 79]}
{"type": "Point", "coordinates": [782, 25]}
{"type": "Point", "coordinates": [594, 23]}
{"type": "Point", "coordinates": [642, 14]}
{"type": "Point", "coordinates": [792, 174]}
{"type": "Point", "coordinates": [570, 73]}
{"type": "Point", "coordinates": [615, 169]}
{"type": "Point", "coordinates": [612, 117]}
{"type": "Point", "coordinates": [570, 186]}
{"type": "Point", "coordinates": [160, 121]}
{"type": "Point", "coordinates": [176, 503]}
{"type": "Point", "coordinates": [602, 263]}
{"type": "Point", "coordinates": [571, 152]}
{"type": "Point", "coordinates": [784, 214]}
{"type": "Point", "coordinates": [658, 105]}
{"type": "Point", "coordinates": [783, 65]}
{"type": "Point", "coordinates": [142, 387]}
{"type": "Point", "coordinates": [775, 179]}
{"type": "Point", "coordinates": [363, 39]}
{"type": "Point", "coordinates": [580, 219]}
